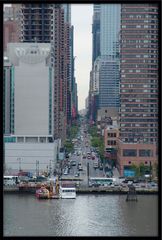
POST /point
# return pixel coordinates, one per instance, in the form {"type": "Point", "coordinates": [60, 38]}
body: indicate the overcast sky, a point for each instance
{"type": "Point", "coordinates": [81, 19]}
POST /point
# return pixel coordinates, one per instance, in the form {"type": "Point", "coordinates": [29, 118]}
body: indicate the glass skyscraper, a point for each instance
{"type": "Point", "coordinates": [110, 16]}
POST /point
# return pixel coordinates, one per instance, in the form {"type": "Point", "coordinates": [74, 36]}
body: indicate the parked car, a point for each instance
{"type": "Point", "coordinates": [76, 175]}
{"type": "Point", "coordinates": [80, 168]}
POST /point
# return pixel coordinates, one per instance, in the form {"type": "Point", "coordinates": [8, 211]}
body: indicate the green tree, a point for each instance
{"type": "Point", "coordinates": [135, 168]}
{"type": "Point", "coordinates": [142, 169]}
{"type": "Point", "coordinates": [93, 131]}
{"type": "Point", "coordinates": [72, 131]}
{"type": "Point", "coordinates": [69, 146]}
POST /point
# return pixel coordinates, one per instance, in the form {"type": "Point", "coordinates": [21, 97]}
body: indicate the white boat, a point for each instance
{"type": "Point", "coordinates": [67, 192]}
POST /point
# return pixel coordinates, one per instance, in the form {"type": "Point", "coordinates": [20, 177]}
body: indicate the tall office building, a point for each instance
{"type": "Point", "coordinates": [8, 94]}
{"type": "Point", "coordinates": [29, 115]}
{"type": "Point", "coordinates": [10, 25]}
{"type": "Point", "coordinates": [139, 84]}
{"type": "Point", "coordinates": [95, 32]}
{"type": "Point", "coordinates": [139, 73]}
{"type": "Point", "coordinates": [106, 32]}
{"type": "Point", "coordinates": [73, 80]}
{"type": "Point", "coordinates": [51, 23]}
{"type": "Point", "coordinates": [110, 29]}
{"type": "Point", "coordinates": [36, 22]}
{"type": "Point", "coordinates": [108, 82]}
{"type": "Point", "coordinates": [31, 89]}
{"type": "Point", "coordinates": [96, 7]}
{"type": "Point", "coordinates": [59, 61]}
{"type": "Point", "coordinates": [67, 12]}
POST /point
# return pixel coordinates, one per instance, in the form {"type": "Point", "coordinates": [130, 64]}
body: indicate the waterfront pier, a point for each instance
{"type": "Point", "coordinates": [131, 195]}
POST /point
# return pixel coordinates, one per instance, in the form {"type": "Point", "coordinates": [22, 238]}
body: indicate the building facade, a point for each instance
{"type": "Point", "coordinates": [110, 15]}
{"type": "Point", "coordinates": [51, 23]}
{"type": "Point", "coordinates": [108, 82]}
{"type": "Point", "coordinates": [105, 56]}
{"type": "Point", "coordinates": [31, 105]}
{"type": "Point", "coordinates": [111, 136]}
{"type": "Point", "coordinates": [95, 32]}
{"type": "Point", "coordinates": [32, 87]}
{"type": "Point", "coordinates": [23, 152]}
{"type": "Point", "coordinates": [139, 84]}
{"type": "Point", "coordinates": [8, 97]}
{"type": "Point", "coordinates": [36, 22]}
{"type": "Point", "coordinates": [10, 32]}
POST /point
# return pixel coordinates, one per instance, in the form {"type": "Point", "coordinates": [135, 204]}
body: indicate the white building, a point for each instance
{"type": "Point", "coordinates": [20, 152]}
{"type": "Point", "coordinates": [32, 112]}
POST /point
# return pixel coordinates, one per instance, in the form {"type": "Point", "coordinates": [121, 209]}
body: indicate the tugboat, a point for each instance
{"type": "Point", "coordinates": [52, 193]}
{"type": "Point", "coordinates": [42, 193]}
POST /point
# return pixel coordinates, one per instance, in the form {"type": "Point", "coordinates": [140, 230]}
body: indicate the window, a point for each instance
{"type": "Point", "coordinates": [145, 153]}
{"type": "Point", "coordinates": [129, 152]}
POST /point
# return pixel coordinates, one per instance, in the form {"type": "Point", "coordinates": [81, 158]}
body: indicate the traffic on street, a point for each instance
{"type": "Point", "coordinates": [84, 166]}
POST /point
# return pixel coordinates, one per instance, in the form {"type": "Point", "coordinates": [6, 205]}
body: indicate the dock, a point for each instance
{"type": "Point", "coordinates": [31, 189]}
{"type": "Point", "coordinates": [131, 194]}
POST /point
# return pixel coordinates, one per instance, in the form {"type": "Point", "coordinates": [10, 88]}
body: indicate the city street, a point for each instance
{"type": "Point", "coordinates": [81, 149]}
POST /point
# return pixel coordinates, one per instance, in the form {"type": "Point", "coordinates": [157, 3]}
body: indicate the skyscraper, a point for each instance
{"type": "Point", "coordinates": [110, 29]}
{"type": "Point", "coordinates": [10, 25]}
{"type": "Point", "coordinates": [28, 110]}
{"type": "Point", "coordinates": [96, 32]}
{"type": "Point", "coordinates": [139, 73]}
{"type": "Point", "coordinates": [109, 56]}
{"type": "Point", "coordinates": [108, 82]}
{"type": "Point", "coordinates": [105, 57]}
{"type": "Point", "coordinates": [8, 101]}
{"type": "Point", "coordinates": [36, 22]}
{"type": "Point", "coordinates": [139, 85]}
{"type": "Point", "coordinates": [31, 88]}
{"type": "Point", "coordinates": [51, 23]}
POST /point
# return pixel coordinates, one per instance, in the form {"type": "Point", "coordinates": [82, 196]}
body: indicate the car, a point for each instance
{"type": "Point", "coordinates": [80, 168]}
{"type": "Point", "coordinates": [73, 163]}
{"type": "Point", "coordinates": [76, 175]}
{"type": "Point", "coordinates": [153, 184]}
{"type": "Point", "coordinates": [90, 184]}
{"type": "Point", "coordinates": [143, 185]}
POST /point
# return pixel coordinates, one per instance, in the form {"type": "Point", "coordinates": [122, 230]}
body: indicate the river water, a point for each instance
{"type": "Point", "coordinates": [87, 215]}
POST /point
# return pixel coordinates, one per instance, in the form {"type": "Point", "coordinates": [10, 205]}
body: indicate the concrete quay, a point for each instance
{"type": "Point", "coordinates": [96, 190]}
{"type": "Point", "coordinates": [114, 191]}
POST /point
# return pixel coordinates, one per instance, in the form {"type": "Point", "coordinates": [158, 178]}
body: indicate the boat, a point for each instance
{"type": "Point", "coordinates": [67, 192]}
{"type": "Point", "coordinates": [42, 193]}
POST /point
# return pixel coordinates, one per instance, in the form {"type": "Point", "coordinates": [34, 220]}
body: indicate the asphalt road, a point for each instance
{"type": "Point", "coordinates": [81, 145]}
